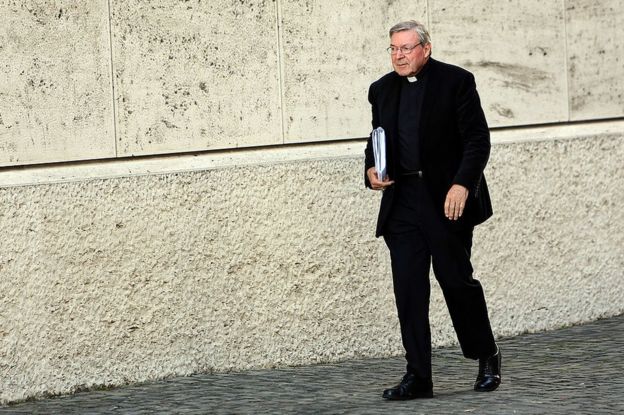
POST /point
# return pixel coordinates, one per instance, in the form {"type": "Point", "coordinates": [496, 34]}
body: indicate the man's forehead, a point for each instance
{"type": "Point", "coordinates": [403, 36]}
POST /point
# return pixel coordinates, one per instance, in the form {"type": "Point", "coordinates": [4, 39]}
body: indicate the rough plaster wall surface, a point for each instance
{"type": "Point", "coordinates": [106, 282]}
{"type": "Point", "coordinates": [596, 58]}
{"type": "Point", "coordinates": [55, 82]}
{"type": "Point", "coordinates": [195, 75]}
{"type": "Point", "coordinates": [332, 51]}
{"type": "Point", "coordinates": [516, 50]}
{"type": "Point", "coordinates": [553, 253]}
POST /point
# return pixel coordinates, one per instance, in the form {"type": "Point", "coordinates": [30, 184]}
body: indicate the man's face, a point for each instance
{"type": "Point", "coordinates": [411, 63]}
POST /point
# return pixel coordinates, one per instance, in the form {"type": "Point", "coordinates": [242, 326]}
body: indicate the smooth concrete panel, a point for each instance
{"type": "Point", "coordinates": [193, 75]}
{"type": "Point", "coordinates": [516, 49]}
{"type": "Point", "coordinates": [596, 58]}
{"type": "Point", "coordinates": [106, 282]}
{"type": "Point", "coordinates": [55, 88]}
{"type": "Point", "coordinates": [332, 52]}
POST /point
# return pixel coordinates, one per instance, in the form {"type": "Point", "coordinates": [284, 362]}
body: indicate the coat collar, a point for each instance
{"type": "Point", "coordinates": [394, 93]}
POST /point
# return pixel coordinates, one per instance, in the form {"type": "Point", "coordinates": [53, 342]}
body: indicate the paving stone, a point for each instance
{"type": "Point", "coordinates": [573, 370]}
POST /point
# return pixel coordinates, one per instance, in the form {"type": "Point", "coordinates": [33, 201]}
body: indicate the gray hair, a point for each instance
{"type": "Point", "coordinates": [414, 26]}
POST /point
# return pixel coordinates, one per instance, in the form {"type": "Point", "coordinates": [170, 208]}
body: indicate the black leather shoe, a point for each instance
{"type": "Point", "coordinates": [410, 387]}
{"type": "Point", "coordinates": [489, 376]}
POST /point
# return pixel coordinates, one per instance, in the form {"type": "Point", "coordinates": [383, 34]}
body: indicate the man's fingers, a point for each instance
{"type": "Point", "coordinates": [450, 208]}
{"type": "Point", "coordinates": [382, 185]}
{"type": "Point", "coordinates": [453, 209]}
{"type": "Point", "coordinates": [455, 202]}
{"type": "Point", "coordinates": [372, 176]}
{"type": "Point", "coordinates": [377, 184]}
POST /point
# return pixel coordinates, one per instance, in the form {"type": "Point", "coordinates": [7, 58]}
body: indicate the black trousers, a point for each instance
{"type": "Point", "coordinates": [417, 236]}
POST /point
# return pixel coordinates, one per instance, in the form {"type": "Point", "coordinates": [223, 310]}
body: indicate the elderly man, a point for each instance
{"type": "Point", "coordinates": [434, 193]}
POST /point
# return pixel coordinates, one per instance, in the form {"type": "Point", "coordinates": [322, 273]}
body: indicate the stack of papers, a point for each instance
{"type": "Point", "coordinates": [379, 151]}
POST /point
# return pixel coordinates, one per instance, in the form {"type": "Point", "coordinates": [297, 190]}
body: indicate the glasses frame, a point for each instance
{"type": "Point", "coordinates": [406, 50]}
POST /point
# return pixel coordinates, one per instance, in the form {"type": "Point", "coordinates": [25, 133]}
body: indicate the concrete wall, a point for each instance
{"type": "Point", "coordinates": [116, 280]}
{"type": "Point", "coordinates": [135, 269]}
{"type": "Point", "coordinates": [55, 85]}
{"type": "Point", "coordinates": [104, 79]}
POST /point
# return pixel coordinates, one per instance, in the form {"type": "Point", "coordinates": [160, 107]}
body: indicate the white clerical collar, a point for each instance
{"type": "Point", "coordinates": [412, 79]}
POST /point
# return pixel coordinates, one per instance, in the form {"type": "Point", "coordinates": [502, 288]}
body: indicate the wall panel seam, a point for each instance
{"type": "Point", "coordinates": [428, 16]}
{"type": "Point", "coordinates": [123, 167]}
{"type": "Point", "coordinates": [567, 58]}
{"type": "Point", "coordinates": [112, 76]}
{"type": "Point", "coordinates": [280, 66]}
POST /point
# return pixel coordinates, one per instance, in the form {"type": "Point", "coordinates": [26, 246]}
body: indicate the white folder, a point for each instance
{"type": "Point", "coordinates": [379, 151]}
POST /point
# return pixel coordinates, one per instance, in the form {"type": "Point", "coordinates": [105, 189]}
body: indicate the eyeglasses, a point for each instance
{"type": "Point", "coordinates": [406, 50]}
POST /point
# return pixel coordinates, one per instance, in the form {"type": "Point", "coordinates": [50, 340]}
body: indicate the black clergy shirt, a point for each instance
{"type": "Point", "coordinates": [410, 106]}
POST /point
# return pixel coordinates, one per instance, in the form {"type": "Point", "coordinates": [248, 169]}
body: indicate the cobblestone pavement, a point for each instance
{"type": "Point", "coordinates": [577, 370]}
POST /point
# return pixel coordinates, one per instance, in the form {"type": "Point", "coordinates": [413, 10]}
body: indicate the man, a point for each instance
{"type": "Point", "coordinates": [434, 193]}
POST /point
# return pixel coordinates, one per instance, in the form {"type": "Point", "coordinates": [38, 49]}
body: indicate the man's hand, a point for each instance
{"type": "Point", "coordinates": [377, 184]}
{"type": "Point", "coordinates": [455, 202]}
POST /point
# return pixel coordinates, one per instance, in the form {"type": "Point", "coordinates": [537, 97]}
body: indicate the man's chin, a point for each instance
{"type": "Point", "coordinates": [402, 71]}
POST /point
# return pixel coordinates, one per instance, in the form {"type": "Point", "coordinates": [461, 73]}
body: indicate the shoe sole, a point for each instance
{"type": "Point", "coordinates": [409, 398]}
{"type": "Point", "coordinates": [487, 390]}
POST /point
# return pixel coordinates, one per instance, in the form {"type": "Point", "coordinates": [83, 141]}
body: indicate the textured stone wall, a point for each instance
{"type": "Point", "coordinates": [105, 282]}
{"type": "Point", "coordinates": [104, 79]}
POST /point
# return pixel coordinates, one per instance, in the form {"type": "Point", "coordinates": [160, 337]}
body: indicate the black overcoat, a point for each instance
{"type": "Point", "coordinates": [454, 139]}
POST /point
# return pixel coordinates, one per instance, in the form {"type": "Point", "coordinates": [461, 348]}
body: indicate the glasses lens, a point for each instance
{"type": "Point", "coordinates": [393, 50]}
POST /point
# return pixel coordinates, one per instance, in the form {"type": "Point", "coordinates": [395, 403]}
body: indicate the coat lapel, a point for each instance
{"type": "Point", "coordinates": [429, 99]}
{"type": "Point", "coordinates": [390, 123]}
{"type": "Point", "coordinates": [392, 104]}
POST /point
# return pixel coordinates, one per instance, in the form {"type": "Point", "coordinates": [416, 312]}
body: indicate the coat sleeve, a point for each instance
{"type": "Point", "coordinates": [369, 159]}
{"type": "Point", "coordinates": [474, 133]}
